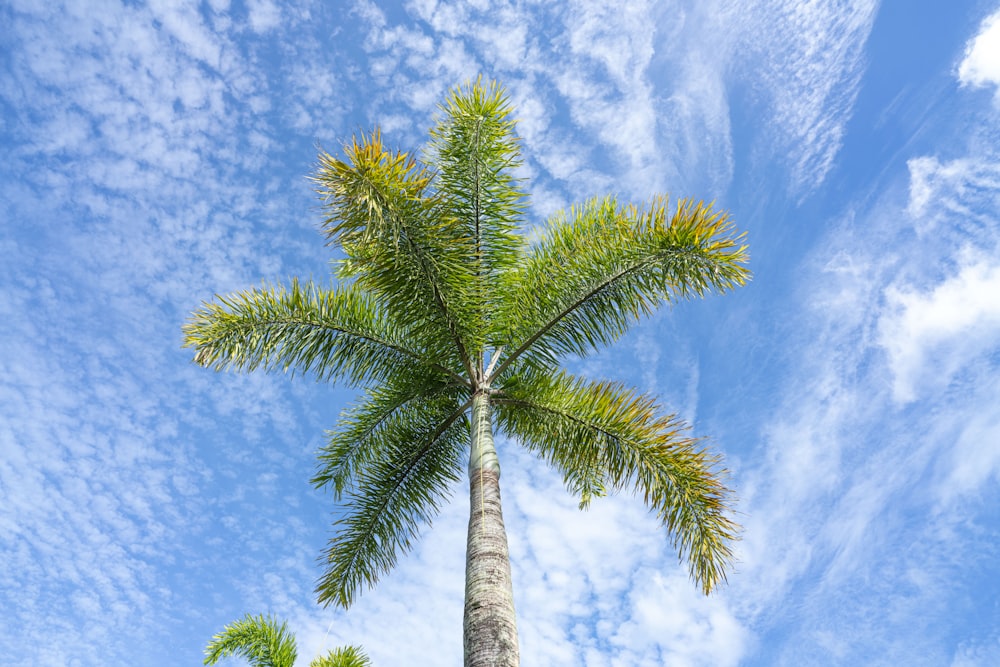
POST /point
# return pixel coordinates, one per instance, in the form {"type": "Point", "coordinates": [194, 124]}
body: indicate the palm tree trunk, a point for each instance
{"type": "Point", "coordinates": [490, 627]}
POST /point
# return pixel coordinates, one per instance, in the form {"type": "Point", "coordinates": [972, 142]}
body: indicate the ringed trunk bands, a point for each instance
{"type": "Point", "coordinates": [490, 623]}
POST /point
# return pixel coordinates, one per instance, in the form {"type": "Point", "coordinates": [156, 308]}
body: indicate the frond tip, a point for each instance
{"type": "Point", "coordinates": [604, 438]}
{"type": "Point", "coordinates": [601, 266]}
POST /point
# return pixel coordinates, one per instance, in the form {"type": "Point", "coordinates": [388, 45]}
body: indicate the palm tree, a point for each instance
{"type": "Point", "coordinates": [454, 326]}
{"type": "Point", "coordinates": [266, 643]}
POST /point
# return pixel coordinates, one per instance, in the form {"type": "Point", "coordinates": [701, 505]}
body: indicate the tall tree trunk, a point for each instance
{"type": "Point", "coordinates": [490, 627]}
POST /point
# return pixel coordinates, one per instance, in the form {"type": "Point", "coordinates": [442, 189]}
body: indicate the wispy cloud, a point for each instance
{"type": "Point", "coordinates": [129, 195]}
{"type": "Point", "coordinates": [593, 66]}
{"type": "Point", "coordinates": [880, 437]}
{"type": "Point", "coordinates": [810, 57]}
{"type": "Point", "coordinates": [646, 91]}
{"type": "Point", "coordinates": [930, 336]}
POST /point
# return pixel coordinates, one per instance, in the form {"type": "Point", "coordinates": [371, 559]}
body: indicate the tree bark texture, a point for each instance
{"type": "Point", "coordinates": [490, 626]}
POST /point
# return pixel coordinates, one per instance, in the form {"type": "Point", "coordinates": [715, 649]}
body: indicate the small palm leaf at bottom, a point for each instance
{"type": "Point", "coordinates": [604, 437]}
{"type": "Point", "coordinates": [260, 639]}
{"type": "Point", "coordinates": [347, 656]}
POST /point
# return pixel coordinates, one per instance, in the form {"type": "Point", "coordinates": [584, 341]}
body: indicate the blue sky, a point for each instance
{"type": "Point", "coordinates": [157, 153]}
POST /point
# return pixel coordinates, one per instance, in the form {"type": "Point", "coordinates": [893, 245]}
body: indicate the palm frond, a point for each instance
{"type": "Point", "coordinates": [331, 333]}
{"type": "Point", "coordinates": [604, 437]}
{"type": "Point", "coordinates": [417, 263]}
{"type": "Point", "coordinates": [393, 496]}
{"type": "Point", "coordinates": [260, 639]}
{"type": "Point", "coordinates": [372, 427]}
{"type": "Point", "coordinates": [346, 656]}
{"type": "Point", "coordinates": [603, 265]}
{"type": "Point", "coordinates": [474, 150]}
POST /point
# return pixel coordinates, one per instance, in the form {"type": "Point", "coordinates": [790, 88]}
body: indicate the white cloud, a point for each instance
{"type": "Point", "coordinates": [811, 57]}
{"type": "Point", "coordinates": [954, 201]}
{"type": "Point", "coordinates": [928, 178]}
{"type": "Point", "coordinates": [941, 313]}
{"type": "Point", "coordinates": [977, 654]}
{"type": "Point", "coordinates": [981, 65]}
{"type": "Point", "coordinates": [974, 460]}
{"type": "Point", "coordinates": [264, 16]}
{"type": "Point", "coordinates": [670, 623]}
{"type": "Point", "coordinates": [885, 434]}
{"type": "Point", "coordinates": [131, 189]}
{"type": "Point", "coordinates": [183, 21]}
{"type": "Point", "coordinates": [930, 335]}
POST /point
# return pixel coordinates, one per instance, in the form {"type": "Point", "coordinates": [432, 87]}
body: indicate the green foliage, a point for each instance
{"type": "Point", "coordinates": [474, 150]}
{"type": "Point", "coordinates": [440, 299]}
{"type": "Point", "coordinates": [396, 493]}
{"type": "Point", "coordinates": [605, 437]}
{"type": "Point", "coordinates": [347, 656]}
{"type": "Point", "coordinates": [332, 333]}
{"type": "Point", "coordinates": [260, 639]}
{"type": "Point", "coordinates": [266, 643]}
{"type": "Point", "coordinates": [602, 265]}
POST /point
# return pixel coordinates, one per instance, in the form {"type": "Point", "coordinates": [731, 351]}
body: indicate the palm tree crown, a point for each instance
{"type": "Point", "coordinates": [453, 324]}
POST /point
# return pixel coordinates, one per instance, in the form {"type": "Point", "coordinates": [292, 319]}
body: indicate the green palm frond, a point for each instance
{"type": "Point", "coordinates": [260, 639]}
{"type": "Point", "coordinates": [602, 265]}
{"type": "Point", "coordinates": [605, 437]}
{"type": "Point", "coordinates": [474, 150]}
{"type": "Point", "coordinates": [372, 427]}
{"type": "Point", "coordinates": [331, 333]}
{"type": "Point", "coordinates": [347, 656]}
{"type": "Point", "coordinates": [393, 496]}
{"type": "Point", "coordinates": [415, 262]}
